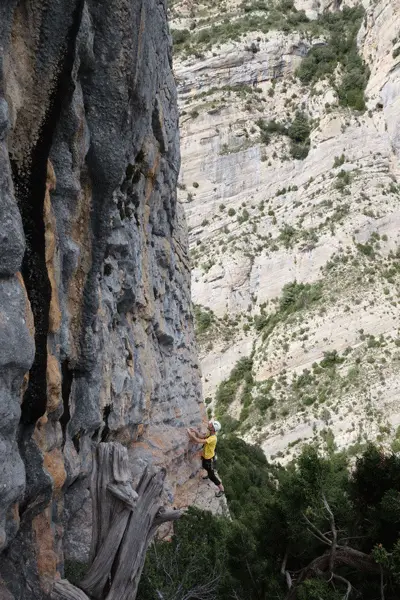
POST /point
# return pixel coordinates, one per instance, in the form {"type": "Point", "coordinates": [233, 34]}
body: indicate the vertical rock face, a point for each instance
{"type": "Point", "coordinates": [96, 334]}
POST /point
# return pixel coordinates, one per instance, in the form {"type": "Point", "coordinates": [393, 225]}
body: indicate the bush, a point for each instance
{"type": "Point", "coordinates": [299, 151]}
{"type": "Point", "coordinates": [179, 36]}
{"type": "Point", "coordinates": [341, 48]}
{"type": "Point", "coordinates": [203, 319]}
{"type": "Point", "coordinates": [299, 131]}
{"type": "Point", "coordinates": [226, 392]}
{"type": "Point", "coordinates": [263, 403]}
{"type": "Point", "coordinates": [271, 127]}
{"type": "Point", "coordinates": [296, 296]}
{"type": "Point", "coordinates": [299, 134]}
{"type": "Point", "coordinates": [331, 359]}
{"type": "Point", "coordinates": [339, 161]}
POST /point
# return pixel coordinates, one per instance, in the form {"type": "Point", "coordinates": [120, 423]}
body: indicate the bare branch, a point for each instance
{"type": "Point", "coordinates": [289, 582]}
{"type": "Point", "coordinates": [283, 567]}
{"type": "Point", "coordinates": [204, 591]}
{"type": "Point", "coordinates": [323, 541]}
{"type": "Point", "coordinates": [334, 533]}
{"type": "Point", "coordinates": [163, 516]}
{"type": "Point", "coordinates": [382, 585]}
{"type": "Point", "coordinates": [345, 581]}
{"type": "Point", "coordinates": [317, 531]}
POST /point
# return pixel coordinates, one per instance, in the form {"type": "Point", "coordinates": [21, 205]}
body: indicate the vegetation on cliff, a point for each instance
{"type": "Point", "coordinates": [338, 58]}
{"type": "Point", "coordinates": [333, 36]}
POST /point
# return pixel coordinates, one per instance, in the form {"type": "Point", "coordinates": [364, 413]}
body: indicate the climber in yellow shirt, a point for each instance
{"type": "Point", "coordinates": [209, 442]}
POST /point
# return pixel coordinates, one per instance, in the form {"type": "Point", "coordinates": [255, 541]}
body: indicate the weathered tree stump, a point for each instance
{"type": "Point", "coordinates": [124, 523]}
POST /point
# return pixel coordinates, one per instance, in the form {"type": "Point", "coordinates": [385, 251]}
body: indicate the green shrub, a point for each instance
{"type": "Point", "coordinates": [179, 36]}
{"type": "Point", "coordinates": [263, 403]}
{"type": "Point", "coordinates": [226, 392]}
{"type": "Point", "coordinates": [341, 48]}
{"type": "Point", "coordinates": [339, 161]}
{"type": "Point", "coordinates": [298, 132]}
{"type": "Point", "coordinates": [331, 359]}
{"type": "Point", "coordinates": [287, 236]}
{"type": "Point", "coordinates": [244, 216]}
{"type": "Point", "coordinates": [271, 127]}
{"type": "Point", "coordinates": [296, 296]}
{"type": "Point", "coordinates": [299, 151]}
{"type": "Point", "coordinates": [366, 249]}
{"type": "Point", "coordinates": [203, 319]}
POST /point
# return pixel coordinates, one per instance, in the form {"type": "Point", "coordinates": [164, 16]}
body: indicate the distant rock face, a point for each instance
{"type": "Point", "coordinates": [261, 219]}
{"type": "Point", "coordinates": [96, 331]}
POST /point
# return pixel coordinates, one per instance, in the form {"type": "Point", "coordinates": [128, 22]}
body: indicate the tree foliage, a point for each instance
{"type": "Point", "coordinates": [326, 529]}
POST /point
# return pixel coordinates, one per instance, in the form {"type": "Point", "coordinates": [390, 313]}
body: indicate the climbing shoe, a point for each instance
{"type": "Point", "coordinates": [205, 477]}
{"type": "Point", "coordinates": [219, 494]}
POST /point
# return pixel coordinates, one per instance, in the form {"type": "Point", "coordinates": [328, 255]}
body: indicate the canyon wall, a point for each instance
{"type": "Point", "coordinates": [96, 331]}
{"type": "Point", "coordinates": [295, 249]}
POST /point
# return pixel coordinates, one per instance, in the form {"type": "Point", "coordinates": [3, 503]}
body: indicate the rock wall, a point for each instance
{"type": "Point", "coordinates": [96, 331]}
{"type": "Point", "coordinates": [260, 219]}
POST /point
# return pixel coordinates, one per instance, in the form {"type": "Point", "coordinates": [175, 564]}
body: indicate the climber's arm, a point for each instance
{"type": "Point", "coordinates": [196, 438]}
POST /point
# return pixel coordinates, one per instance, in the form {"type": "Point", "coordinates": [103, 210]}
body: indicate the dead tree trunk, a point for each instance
{"type": "Point", "coordinates": [124, 522]}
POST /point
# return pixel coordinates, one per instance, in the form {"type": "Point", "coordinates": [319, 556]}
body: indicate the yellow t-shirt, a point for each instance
{"type": "Point", "coordinates": [209, 446]}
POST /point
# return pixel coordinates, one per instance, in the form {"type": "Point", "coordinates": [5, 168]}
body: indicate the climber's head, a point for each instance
{"type": "Point", "coordinates": [214, 426]}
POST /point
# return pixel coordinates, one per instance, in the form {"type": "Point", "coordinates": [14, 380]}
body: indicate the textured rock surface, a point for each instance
{"type": "Point", "coordinates": [96, 332]}
{"type": "Point", "coordinates": [259, 220]}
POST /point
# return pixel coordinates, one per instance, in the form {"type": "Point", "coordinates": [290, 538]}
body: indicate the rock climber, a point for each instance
{"type": "Point", "coordinates": [209, 442]}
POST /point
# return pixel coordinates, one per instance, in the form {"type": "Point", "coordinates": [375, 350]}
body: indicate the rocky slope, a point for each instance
{"type": "Point", "coordinates": [290, 186]}
{"type": "Point", "coordinates": [96, 331]}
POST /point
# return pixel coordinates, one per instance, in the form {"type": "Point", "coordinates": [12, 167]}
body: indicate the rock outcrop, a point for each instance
{"type": "Point", "coordinates": [323, 357]}
{"type": "Point", "coordinates": [96, 331]}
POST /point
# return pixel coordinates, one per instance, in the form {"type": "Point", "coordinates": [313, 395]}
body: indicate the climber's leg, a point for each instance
{"type": "Point", "coordinates": [208, 466]}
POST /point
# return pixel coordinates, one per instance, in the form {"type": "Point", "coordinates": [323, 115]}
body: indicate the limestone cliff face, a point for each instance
{"type": "Point", "coordinates": [323, 359]}
{"type": "Point", "coordinates": [96, 332]}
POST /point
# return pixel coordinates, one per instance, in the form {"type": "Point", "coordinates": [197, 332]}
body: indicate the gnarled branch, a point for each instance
{"type": "Point", "coordinates": [64, 590]}
{"type": "Point", "coordinates": [124, 523]}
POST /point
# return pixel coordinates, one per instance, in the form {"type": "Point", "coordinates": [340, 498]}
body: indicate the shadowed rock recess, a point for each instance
{"type": "Point", "coordinates": [96, 332]}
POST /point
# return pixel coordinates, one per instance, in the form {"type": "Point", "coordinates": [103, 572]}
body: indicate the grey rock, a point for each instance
{"type": "Point", "coordinates": [16, 355]}
{"type": "Point", "coordinates": [111, 290]}
{"type": "Point", "coordinates": [4, 122]}
{"type": "Point", "coordinates": [12, 242]}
